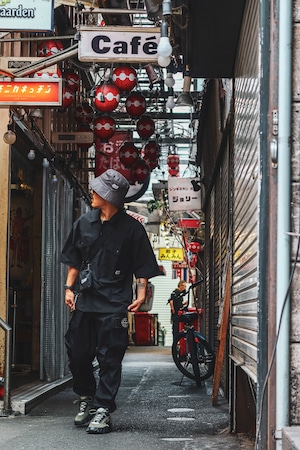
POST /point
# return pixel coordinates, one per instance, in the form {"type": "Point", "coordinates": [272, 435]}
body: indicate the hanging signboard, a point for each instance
{"type": "Point", "coordinates": [170, 254]}
{"type": "Point", "coordinates": [120, 44]}
{"type": "Point", "coordinates": [20, 62]}
{"type": "Point", "coordinates": [36, 15]}
{"type": "Point", "coordinates": [184, 194]}
{"type": "Point", "coordinates": [29, 91]}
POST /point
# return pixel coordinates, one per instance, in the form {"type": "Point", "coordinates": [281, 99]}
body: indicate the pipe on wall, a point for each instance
{"type": "Point", "coordinates": [283, 218]}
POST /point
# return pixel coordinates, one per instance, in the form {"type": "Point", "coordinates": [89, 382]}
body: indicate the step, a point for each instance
{"type": "Point", "coordinates": [291, 438]}
{"type": "Point", "coordinates": [26, 397]}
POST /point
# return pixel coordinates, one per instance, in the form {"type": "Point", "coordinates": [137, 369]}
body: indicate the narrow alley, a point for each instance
{"type": "Point", "coordinates": [157, 409]}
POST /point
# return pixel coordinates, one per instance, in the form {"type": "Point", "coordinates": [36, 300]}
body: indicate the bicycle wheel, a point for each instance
{"type": "Point", "coordinates": [182, 356]}
{"type": "Point", "coordinates": [193, 345]}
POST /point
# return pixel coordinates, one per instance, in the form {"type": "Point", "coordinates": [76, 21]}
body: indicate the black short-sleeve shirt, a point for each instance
{"type": "Point", "coordinates": [124, 251]}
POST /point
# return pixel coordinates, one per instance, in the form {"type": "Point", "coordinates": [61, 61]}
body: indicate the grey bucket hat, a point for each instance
{"type": "Point", "coordinates": [112, 186]}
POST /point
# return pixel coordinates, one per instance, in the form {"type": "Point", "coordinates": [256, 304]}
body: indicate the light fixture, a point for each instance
{"type": "Point", "coordinates": [54, 178]}
{"type": "Point", "coordinates": [31, 155]}
{"type": "Point", "coordinates": [169, 81]}
{"type": "Point", "coordinates": [46, 163]}
{"type": "Point", "coordinates": [163, 61]}
{"type": "Point", "coordinates": [185, 98]}
{"type": "Point", "coordinates": [170, 103]}
{"type": "Point", "coordinates": [152, 75]}
{"type": "Point", "coordinates": [36, 113]}
{"type": "Point", "coordinates": [9, 137]}
{"type": "Point", "coordinates": [164, 47]}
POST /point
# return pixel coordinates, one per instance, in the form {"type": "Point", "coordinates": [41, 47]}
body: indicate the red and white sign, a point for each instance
{"type": "Point", "coordinates": [118, 44]}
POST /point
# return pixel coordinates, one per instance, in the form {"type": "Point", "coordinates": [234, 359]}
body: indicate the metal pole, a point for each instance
{"type": "Point", "coordinates": [7, 400]}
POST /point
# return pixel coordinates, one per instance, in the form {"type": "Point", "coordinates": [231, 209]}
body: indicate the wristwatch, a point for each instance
{"type": "Point", "coordinates": [69, 287]}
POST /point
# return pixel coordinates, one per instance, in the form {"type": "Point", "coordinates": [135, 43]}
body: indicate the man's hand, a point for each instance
{"type": "Point", "coordinates": [70, 299]}
{"type": "Point", "coordinates": [135, 306]}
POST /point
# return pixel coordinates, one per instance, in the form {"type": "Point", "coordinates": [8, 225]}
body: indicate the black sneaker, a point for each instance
{"type": "Point", "coordinates": [84, 414]}
{"type": "Point", "coordinates": [100, 423]}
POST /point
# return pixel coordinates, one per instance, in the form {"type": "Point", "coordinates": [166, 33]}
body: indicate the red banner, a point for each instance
{"type": "Point", "coordinates": [107, 156]}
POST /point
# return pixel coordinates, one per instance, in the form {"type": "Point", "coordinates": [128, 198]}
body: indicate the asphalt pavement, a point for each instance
{"type": "Point", "coordinates": [156, 409]}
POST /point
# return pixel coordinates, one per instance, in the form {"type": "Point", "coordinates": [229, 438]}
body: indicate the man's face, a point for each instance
{"type": "Point", "coordinates": [182, 287]}
{"type": "Point", "coordinates": [97, 201]}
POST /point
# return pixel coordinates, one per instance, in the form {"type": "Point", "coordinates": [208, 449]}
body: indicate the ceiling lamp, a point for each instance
{"type": "Point", "coordinates": [31, 155]}
{"type": "Point", "coordinates": [10, 137]}
{"type": "Point", "coordinates": [151, 151]}
{"type": "Point", "coordinates": [164, 47]}
{"type": "Point", "coordinates": [170, 103]}
{"type": "Point", "coordinates": [107, 97]}
{"type": "Point", "coordinates": [67, 98]}
{"type": "Point", "coordinates": [84, 113]}
{"type": "Point", "coordinates": [169, 81]}
{"type": "Point", "coordinates": [72, 80]}
{"type": "Point", "coordinates": [124, 77]}
{"type": "Point", "coordinates": [104, 127]}
{"type": "Point", "coordinates": [185, 98]}
{"type": "Point", "coordinates": [145, 127]}
{"type": "Point", "coordinates": [128, 154]}
{"type": "Point", "coordinates": [140, 171]}
{"type": "Point", "coordinates": [135, 104]}
{"type": "Point", "coordinates": [49, 48]}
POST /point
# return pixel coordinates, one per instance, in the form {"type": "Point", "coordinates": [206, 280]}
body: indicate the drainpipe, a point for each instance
{"type": "Point", "coordinates": [283, 218]}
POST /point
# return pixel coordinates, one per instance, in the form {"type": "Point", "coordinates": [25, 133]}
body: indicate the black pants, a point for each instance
{"type": "Point", "coordinates": [106, 337]}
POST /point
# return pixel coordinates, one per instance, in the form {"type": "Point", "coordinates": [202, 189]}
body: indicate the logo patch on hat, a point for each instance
{"type": "Point", "coordinates": [115, 186]}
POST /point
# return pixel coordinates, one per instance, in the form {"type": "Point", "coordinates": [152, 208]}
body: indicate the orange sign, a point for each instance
{"type": "Point", "coordinates": [27, 91]}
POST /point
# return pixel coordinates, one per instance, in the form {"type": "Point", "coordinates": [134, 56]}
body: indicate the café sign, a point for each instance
{"type": "Point", "coordinates": [36, 15]}
{"type": "Point", "coordinates": [118, 44]}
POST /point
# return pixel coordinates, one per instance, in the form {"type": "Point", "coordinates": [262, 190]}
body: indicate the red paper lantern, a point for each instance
{"type": "Point", "coordinates": [151, 151]}
{"type": "Point", "coordinates": [145, 127]}
{"type": "Point", "coordinates": [193, 260]}
{"type": "Point", "coordinates": [194, 247]}
{"type": "Point", "coordinates": [84, 114]}
{"type": "Point", "coordinates": [49, 48]}
{"type": "Point", "coordinates": [72, 80]}
{"type": "Point", "coordinates": [67, 98]}
{"type": "Point", "coordinates": [140, 171]}
{"type": "Point", "coordinates": [173, 161]}
{"type": "Point", "coordinates": [124, 77]}
{"type": "Point", "coordinates": [129, 154]}
{"type": "Point", "coordinates": [107, 97]}
{"type": "Point", "coordinates": [104, 127]}
{"type": "Point", "coordinates": [46, 75]}
{"type": "Point", "coordinates": [135, 104]}
{"type": "Point", "coordinates": [84, 145]}
{"type": "Point", "coordinates": [174, 172]}
{"type": "Point", "coordinates": [152, 163]}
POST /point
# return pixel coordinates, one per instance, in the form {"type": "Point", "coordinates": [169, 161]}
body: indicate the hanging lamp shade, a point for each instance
{"type": "Point", "coordinates": [104, 127]}
{"type": "Point", "coordinates": [107, 97]}
{"type": "Point", "coordinates": [145, 127]}
{"type": "Point", "coordinates": [173, 161]}
{"type": "Point", "coordinates": [124, 77]}
{"type": "Point", "coordinates": [194, 247]}
{"type": "Point", "coordinates": [140, 171]}
{"type": "Point", "coordinates": [84, 114]}
{"type": "Point", "coordinates": [135, 104]}
{"type": "Point", "coordinates": [151, 151]}
{"type": "Point", "coordinates": [129, 154]}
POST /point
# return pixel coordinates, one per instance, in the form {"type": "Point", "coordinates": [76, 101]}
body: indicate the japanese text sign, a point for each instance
{"type": "Point", "coordinates": [184, 194]}
{"type": "Point", "coordinates": [170, 254]}
{"type": "Point", "coordinates": [27, 91]}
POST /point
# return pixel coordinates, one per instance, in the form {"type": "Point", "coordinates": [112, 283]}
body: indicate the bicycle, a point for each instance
{"type": "Point", "coordinates": [191, 352]}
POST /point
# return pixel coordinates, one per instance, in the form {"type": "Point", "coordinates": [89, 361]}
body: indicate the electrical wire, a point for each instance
{"type": "Point", "coordinates": [263, 391]}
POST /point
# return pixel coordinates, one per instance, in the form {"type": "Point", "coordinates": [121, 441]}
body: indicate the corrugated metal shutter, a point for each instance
{"type": "Point", "coordinates": [246, 196]}
{"type": "Point", "coordinates": [163, 286]}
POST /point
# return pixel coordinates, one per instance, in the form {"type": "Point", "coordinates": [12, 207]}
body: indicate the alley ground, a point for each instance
{"type": "Point", "coordinates": [157, 409]}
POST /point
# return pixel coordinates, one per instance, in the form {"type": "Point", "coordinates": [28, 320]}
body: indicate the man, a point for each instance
{"type": "Point", "coordinates": [176, 303]}
{"type": "Point", "coordinates": [99, 325]}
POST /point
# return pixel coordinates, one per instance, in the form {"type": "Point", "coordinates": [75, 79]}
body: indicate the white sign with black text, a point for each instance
{"type": "Point", "coordinates": [118, 44]}
{"type": "Point", "coordinates": [184, 194]}
{"type": "Point", "coordinates": [33, 15]}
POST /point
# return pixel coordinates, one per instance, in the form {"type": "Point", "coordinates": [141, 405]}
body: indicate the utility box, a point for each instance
{"type": "Point", "coordinates": [145, 326]}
